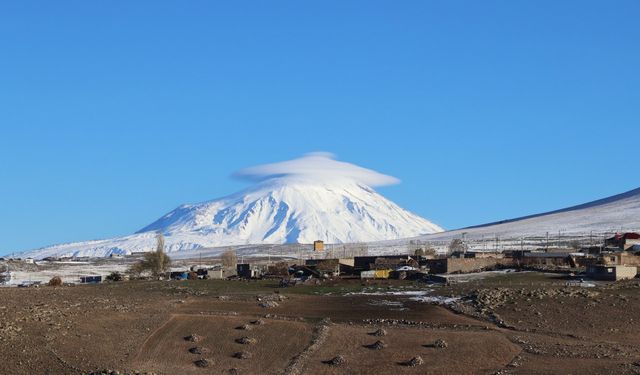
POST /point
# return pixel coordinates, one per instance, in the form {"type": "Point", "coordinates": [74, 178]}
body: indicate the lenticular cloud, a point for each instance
{"type": "Point", "coordinates": [317, 165]}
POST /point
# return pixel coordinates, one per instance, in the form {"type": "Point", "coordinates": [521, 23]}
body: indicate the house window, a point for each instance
{"type": "Point", "coordinates": [610, 270]}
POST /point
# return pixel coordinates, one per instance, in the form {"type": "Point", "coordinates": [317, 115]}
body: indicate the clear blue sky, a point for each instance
{"type": "Point", "coordinates": [113, 113]}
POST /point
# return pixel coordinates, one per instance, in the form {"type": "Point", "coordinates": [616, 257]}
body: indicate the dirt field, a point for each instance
{"type": "Point", "coordinates": [522, 323]}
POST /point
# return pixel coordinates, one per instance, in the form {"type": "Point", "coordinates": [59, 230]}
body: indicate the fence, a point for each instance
{"type": "Point", "coordinates": [560, 240]}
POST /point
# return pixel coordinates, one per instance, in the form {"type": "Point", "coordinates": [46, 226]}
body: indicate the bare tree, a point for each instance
{"type": "Point", "coordinates": [115, 276]}
{"type": "Point", "coordinates": [160, 242]}
{"type": "Point", "coordinates": [229, 258]}
{"type": "Point", "coordinates": [135, 270]}
{"type": "Point", "coordinates": [427, 251]}
{"type": "Point", "coordinates": [456, 245]}
{"type": "Point", "coordinates": [155, 262]}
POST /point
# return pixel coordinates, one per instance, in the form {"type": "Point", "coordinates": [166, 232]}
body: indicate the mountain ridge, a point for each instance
{"type": "Point", "coordinates": [628, 194]}
{"type": "Point", "coordinates": [620, 212]}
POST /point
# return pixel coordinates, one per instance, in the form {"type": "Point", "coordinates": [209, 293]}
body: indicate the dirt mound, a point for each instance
{"type": "Point", "coordinates": [198, 350]}
{"type": "Point", "coordinates": [193, 338]}
{"type": "Point", "coordinates": [379, 332]}
{"type": "Point", "coordinates": [246, 340]}
{"type": "Point", "coordinates": [270, 300]}
{"type": "Point", "coordinates": [376, 345]}
{"type": "Point", "coordinates": [268, 304]}
{"type": "Point", "coordinates": [55, 281]}
{"type": "Point", "coordinates": [440, 343]}
{"type": "Point", "coordinates": [242, 355]}
{"type": "Point", "coordinates": [413, 362]}
{"type": "Point", "coordinates": [202, 363]}
{"type": "Point", "coordinates": [336, 361]}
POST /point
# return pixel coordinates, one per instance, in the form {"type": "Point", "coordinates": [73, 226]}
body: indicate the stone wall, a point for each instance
{"type": "Point", "coordinates": [466, 265]}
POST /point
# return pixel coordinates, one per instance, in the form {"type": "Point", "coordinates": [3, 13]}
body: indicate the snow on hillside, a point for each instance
{"type": "Point", "coordinates": [290, 210]}
{"type": "Point", "coordinates": [616, 213]}
{"type": "Point", "coordinates": [298, 201]}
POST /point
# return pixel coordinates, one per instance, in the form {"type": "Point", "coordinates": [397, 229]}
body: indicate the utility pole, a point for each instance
{"type": "Point", "coordinates": [546, 247]}
{"type": "Point", "coordinates": [559, 236]}
{"type": "Point", "coordinates": [464, 243]}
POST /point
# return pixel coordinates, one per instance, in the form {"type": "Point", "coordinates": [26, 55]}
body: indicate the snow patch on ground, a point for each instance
{"type": "Point", "coordinates": [438, 300]}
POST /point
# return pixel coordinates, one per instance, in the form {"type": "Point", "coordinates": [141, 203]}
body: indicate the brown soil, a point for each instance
{"type": "Point", "coordinates": [516, 324]}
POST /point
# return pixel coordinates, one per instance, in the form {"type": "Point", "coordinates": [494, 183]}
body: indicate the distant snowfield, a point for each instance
{"type": "Point", "coordinates": [70, 272]}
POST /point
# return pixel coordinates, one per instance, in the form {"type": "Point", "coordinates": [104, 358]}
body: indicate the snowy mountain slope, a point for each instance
{"type": "Point", "coordinates": [299, 201]}
{"type": "Point", "coordinates": [615, 213]}
{"type": "Point", "coordinates": [294, 210]}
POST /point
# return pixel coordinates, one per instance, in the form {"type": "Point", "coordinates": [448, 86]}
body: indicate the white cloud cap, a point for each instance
{"type": "Point", "coordinates": [317, 164]}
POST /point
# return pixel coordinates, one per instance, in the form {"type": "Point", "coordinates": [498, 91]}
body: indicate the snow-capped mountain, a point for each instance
{"type": "Point", "coordinates": [299, 201]}
{"type": "Point", "coordinates": [616, 213]}
{"type": "Point", "coordinates": [290, 210]}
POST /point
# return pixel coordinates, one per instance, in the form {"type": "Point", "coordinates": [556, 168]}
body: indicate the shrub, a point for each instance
{"type": "Point", "coordinates": [115, 276]}
{"type": "Point", "coordinates": [55, 281]}
{"type": "Point", "coordinates": [457, 245]}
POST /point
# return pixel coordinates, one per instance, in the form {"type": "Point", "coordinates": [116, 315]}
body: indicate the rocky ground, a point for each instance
{"type": "Point", "coordinates": [520, 323]}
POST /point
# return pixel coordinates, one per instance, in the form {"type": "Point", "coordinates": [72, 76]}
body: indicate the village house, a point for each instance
{"type": "Point", "coordinates": [390, 262]}
{"type": "Point", "coordinates": [331, 267]}
{"type": "Point", "coordinates": [612, 272]}
{"type": "Point", "coordinates": [464, 265]}
{"type": "Point", "coordinates": [484, 254]}
{"type": "Point", "coordinates": [555, 259]}
{"type": "Point", "coordinates": [623, 241]}
{"type": "Point", "coordinates": [215, 273]}
{"type": "Point", "coordinates": [318, 245]}
{"type": "Point", "coordinates": [619, 258]}
{"type": "Point", "coordinates": [249, 271]}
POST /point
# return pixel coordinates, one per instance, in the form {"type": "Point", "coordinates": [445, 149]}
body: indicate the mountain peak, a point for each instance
{"type": "Point", "coordinates": [295, 209]}
{"type": "Point", "coordinates": [314, 197]}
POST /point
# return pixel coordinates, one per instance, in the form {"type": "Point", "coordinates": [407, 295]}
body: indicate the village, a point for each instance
{"type": "Point", "coordinates": [616, 258]}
